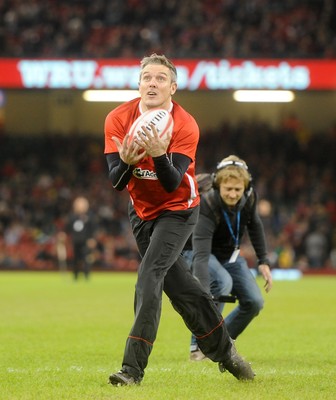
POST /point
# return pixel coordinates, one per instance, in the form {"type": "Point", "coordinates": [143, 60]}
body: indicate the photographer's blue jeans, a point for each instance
{"type": "Point", "coordinates": [237, 279]}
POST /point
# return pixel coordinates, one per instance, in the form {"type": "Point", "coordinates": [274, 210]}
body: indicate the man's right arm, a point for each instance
{"type": "Point", "coordinates": [119, 172]}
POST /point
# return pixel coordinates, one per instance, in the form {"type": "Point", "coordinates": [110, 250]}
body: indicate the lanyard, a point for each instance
{"type": "Point", "coordinates": [228, 222]}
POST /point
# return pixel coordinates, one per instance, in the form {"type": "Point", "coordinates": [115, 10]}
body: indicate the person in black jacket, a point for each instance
{"type": "Point", "coordinates": [82, 230]}
{"type": "Point", "coordinates": [228, 209]}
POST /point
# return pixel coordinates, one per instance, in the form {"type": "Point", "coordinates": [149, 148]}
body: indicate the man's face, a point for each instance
{"type": "Point", "coordinates": [231, 191]}
{"type": "Point", "coordinates": [156, 87]}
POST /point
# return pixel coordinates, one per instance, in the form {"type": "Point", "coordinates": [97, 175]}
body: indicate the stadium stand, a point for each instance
{"type": "Point", "coordinates": [179, 29]}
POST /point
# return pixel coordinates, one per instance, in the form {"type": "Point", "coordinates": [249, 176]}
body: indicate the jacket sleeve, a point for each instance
{"type": "Point", "coordinates": [202, 245]}
{"type": "Point", "coordinates": [257, 235]}
{"type": "Point", "coordinates": [170, 169]}
{"type": "Point", "coordinates": [119, 173]}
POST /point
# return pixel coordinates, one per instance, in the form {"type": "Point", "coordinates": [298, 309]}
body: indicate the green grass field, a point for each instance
{"type": "Point", "coordinates": [61, 340]}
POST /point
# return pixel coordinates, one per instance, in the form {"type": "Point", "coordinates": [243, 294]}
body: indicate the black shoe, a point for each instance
{"type": "Point", "coordinates": [122, 378]}
{"type": "Point", "coordinates": [237, 366]}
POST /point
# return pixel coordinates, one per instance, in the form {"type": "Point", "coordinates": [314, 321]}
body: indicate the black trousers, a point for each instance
{"type": "Point", "coordinates": [80, 263]}
{"type": "Point", "coordinates": [160, 243]}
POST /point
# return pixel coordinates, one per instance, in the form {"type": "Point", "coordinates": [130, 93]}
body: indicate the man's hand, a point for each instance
{"type": "Point", "coordinates": [130, 153]}
{"type": "Point", "coordinates": [265, 271]}
{"type": "Point", "coordinates": [152, 143]}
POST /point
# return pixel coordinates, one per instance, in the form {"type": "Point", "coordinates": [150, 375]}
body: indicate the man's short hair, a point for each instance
{"type": "Point", "coordinates": [159, 60]}
{"type": "Point", "coordinates": [232, 167]}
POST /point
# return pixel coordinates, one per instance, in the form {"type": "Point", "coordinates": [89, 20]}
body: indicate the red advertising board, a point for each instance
{"type": "Point", "coordinates": [204, 74]}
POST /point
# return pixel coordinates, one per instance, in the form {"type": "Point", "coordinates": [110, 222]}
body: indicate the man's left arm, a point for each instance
{"type": "Point", "coordinates": [170, 169]}
{"type": "Point", "coordinates": [258, 240]}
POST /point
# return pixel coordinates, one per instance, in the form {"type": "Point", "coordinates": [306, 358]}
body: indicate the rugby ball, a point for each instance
{"type": "Point", "coordinates": [160, 118]}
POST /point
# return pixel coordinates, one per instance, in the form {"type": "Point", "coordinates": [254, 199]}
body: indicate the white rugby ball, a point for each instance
{"type": "Point", "coordinates": [160, 118]}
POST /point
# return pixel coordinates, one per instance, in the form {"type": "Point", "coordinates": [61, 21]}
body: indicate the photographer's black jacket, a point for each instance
{"type": "Point", "coordinates": [212, 234]}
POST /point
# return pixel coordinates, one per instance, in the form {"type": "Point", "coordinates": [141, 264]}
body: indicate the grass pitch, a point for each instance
{"type": "Point", "coordinates": [61, 339]}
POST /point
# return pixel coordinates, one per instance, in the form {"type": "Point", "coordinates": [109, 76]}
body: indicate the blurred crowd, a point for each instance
{"type": "Point", "coordinates": [179, 29]}
{"type": "Point", "coordinates": [293, 171]}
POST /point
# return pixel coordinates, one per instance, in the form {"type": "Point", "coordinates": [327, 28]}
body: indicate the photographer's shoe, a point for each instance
{"type": "Point", "coordinates": [237, 366]}
{"type": "Point", "coordinates": [197, 355]}
{"type": "Point", "coordinates": [122, 378]}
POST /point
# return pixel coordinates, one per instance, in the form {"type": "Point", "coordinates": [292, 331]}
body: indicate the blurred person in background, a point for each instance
{"type": "Point", "coordinates": [82, 229]}
{"type": "Point", "coordinates": [228, 209]}
{"type": "Point", "coordinates": [317, 247]}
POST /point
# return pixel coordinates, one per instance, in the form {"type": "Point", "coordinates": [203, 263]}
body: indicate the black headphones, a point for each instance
{"type": "Point", "coordinates": [223, 164]}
